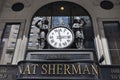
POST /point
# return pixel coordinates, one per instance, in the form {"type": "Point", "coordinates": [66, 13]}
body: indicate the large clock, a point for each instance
{"type": "Point", "coordinates": [60, 37]}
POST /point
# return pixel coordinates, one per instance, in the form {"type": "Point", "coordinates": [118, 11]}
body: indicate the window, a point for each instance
{"type": "Point", "coordinates": [60, 20]}
{"type": "Point", "coordinates": [9, 40]}
{"type": "Point", "coordinates": [112, 34]}
{"type": "Point", "coordinates": [51, 16]}
{"type": "Point", "coordinates": [7, 32]}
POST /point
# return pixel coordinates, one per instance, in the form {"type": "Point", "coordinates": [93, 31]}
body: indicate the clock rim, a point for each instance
{"type": "Point", "coordinates": [61, 27]}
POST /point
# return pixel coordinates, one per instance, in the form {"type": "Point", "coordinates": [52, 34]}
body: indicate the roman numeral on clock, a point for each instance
{"type": "Point", "coordinates": [65, 43]}
{"type": "Point", "coordinates": [60, 45]}
{"type": "Point", "coordinates": [52, 41]}
{"type": "Point", "coordinates": [55, 43]}
{"type": "Point", "coordinates": [51, 37]}
{"type": "Point", "coordinates": [68, 41]}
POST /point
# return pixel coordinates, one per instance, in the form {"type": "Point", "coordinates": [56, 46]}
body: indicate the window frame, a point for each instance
{"type": "Point", "coordinates": [103, 40]}
{"type": "Point", "coordinates": [3, 23]}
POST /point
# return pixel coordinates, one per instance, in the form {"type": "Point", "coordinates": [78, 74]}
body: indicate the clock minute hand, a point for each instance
{"type": "Point", "coordinates": [60, 37]}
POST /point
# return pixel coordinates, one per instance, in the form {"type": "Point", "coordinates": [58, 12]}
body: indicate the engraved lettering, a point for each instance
{"type": "Point", "coordinates": [66, 69]}
{"type": "Point", "coordinates": [59, 69]}
{"type": "Point", "coordinates": [44, 69]}
{"type": "Point", "coordinates": [51, 69]}
{"type": "Point", "coordinates": [77, 69]}
{"type": "Point", "coordinates": [94, 70]}
{"type": "Point", "coordinates": [86, 70]}
{"type": "Point", "coordinates": [34, 68]}
{"type": "Point", "coordinates": [27, 70]}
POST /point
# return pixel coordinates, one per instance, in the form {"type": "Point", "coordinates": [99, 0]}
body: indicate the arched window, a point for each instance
{"type": "Point", "coordinates": [52, 17]}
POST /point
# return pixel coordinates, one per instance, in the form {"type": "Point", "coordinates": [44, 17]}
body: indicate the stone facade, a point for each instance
{"type": "Point", "coordinates": [24, 17]}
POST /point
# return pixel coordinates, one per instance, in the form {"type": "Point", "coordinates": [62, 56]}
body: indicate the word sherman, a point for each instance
{"type": "Point", "coordinates": [57, 69]}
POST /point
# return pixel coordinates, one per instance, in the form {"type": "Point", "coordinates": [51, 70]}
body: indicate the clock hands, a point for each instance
{"type": "Point", "coordinates": [65, 37]}
{"type": "Point", "coordinates": [59, 36]}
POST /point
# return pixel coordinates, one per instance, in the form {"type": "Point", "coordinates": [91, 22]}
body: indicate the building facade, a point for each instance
{"type": "Point", "coordinates": [60, 30]}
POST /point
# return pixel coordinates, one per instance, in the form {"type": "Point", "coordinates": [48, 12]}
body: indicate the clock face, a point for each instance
{"type": "Point", "coordinates": [60, 37]}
